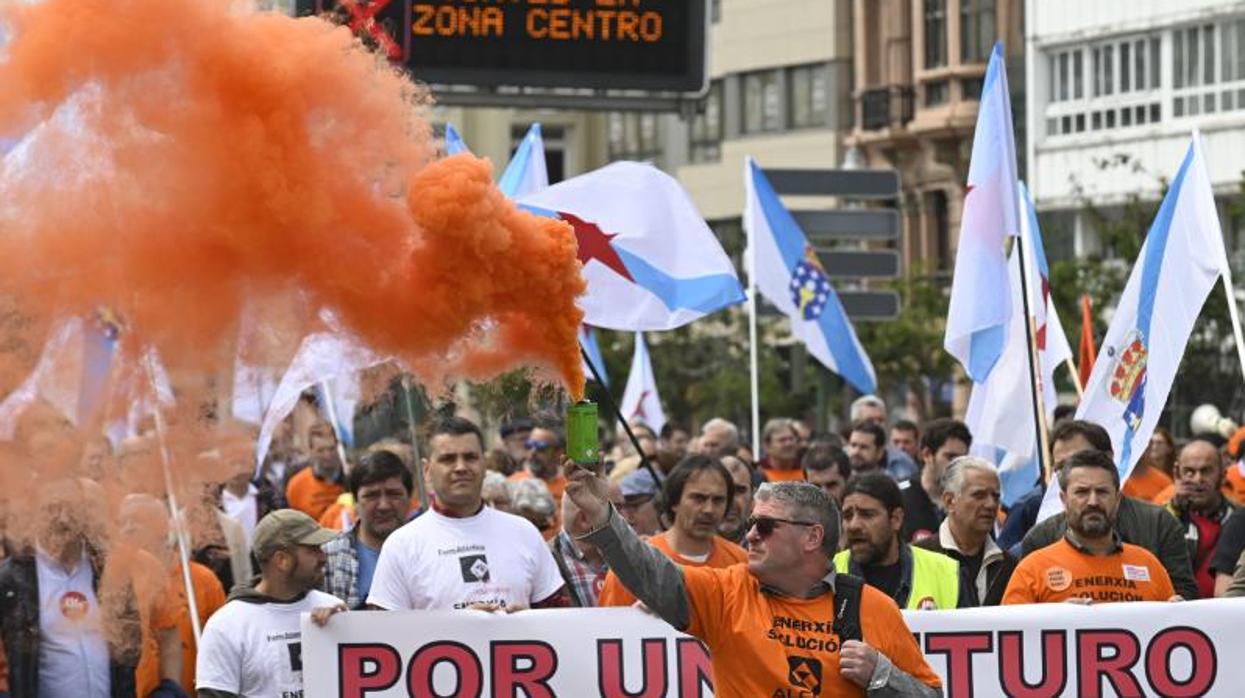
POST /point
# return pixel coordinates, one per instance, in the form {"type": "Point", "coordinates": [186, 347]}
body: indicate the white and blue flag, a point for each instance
{"type": "Point", "coordinates": [788, 274]}
{"type": "Point", "coordinates": [454, 143]}
{"type": "Point", "coordinates": [526, 173]}
{"type": "Point", "coordinates": [1180, 261]}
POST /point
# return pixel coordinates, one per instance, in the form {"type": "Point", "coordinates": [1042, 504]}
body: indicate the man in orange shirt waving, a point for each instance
{"type": "Point", "coordinates": [1090, 564]}
{"type": "Point", "coordinates": [783, 624]}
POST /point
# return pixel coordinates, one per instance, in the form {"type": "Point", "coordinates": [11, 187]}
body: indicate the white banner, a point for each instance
{"type": "Point", "coordinates": [1133, 649]}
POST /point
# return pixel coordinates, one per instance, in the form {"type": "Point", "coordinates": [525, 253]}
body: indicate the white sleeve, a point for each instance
{"type": "Point", "coordinates": [389, 589]}
{"type": "Point", "coordinates": [219, 664]}
{"type": "Point", "coordinates": [546, 577]}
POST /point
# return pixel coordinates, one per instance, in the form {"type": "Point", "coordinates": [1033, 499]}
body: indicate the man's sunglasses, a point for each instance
{"type": "Point", "coordinates": [765, 525]}
{"type": "Point", "coordinates": [532, 445]}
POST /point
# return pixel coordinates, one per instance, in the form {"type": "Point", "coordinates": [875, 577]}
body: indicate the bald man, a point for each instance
{"type": "Point", "coordinates": [1201, 507]}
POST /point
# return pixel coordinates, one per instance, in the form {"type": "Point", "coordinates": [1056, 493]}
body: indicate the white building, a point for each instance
{"type": "Point", "coordinates": [1115, 89]}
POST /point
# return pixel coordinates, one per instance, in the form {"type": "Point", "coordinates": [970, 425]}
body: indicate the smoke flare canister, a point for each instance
{"type": "Point", "coordinates": [582, 446]}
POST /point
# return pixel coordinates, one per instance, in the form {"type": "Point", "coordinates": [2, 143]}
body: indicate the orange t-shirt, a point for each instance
{"type": "Point", "coordinates": [338, 516]}
{"type": "Point", "coordinates": [158, 606]}
{"type": "Point", "coordinates": [1146, 483]}
{"type": "Point", "coordinates": [1234, 484]}
{"type": "Point", "coordinates": [311, 495]}
{"type": "Point", "coordinates": [768, 645]}
{"type": "Point", "coordinates": [209, 597]}
{"type": "Point", "coordinates": [789, 475]}
{"type": "Point", "coordinates": [557, 487]}
{"type": "Point", "coordinates": [1060, 572]}
{"type": "Point", "coordinates": [724, 554]}
{"type": "Point", "coordinates": [1165, 496]}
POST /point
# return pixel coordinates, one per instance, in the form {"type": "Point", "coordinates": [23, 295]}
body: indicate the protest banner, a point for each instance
{"type": "Point", "coordinates": [1128, 649]}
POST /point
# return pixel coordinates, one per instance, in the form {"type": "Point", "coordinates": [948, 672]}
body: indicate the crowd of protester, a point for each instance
{"type": "Point", "coordinates": [899, 504]}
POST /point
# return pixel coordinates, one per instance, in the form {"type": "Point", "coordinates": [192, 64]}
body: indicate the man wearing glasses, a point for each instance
{"type": "Point", "coordinates": [771, 625]}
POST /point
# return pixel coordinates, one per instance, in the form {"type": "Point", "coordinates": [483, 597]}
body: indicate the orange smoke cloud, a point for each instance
{"type": "Point", "coordinates": [183, 159]}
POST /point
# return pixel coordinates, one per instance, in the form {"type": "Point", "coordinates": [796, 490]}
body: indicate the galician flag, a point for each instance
{"type": "Point", "coordinates": [1182, 258]}
{"type": "Point", "coordinates": [980, 307]}
{"type": "Point", "coordinates": [640, 401]}
{"type": "Point", "coordinates": [1000, 410]}
{"type": "Point", "coordinates": [526, 174]}
{"type": "Point", "coordinates": [650, 260]}
{"type": "Point", "coordinates": [454, 143]}
{"type": "Point", "coordinates": [786, 272]}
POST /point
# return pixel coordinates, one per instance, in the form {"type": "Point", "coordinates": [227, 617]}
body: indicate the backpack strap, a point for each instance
{"type": "Point", "coordinates": [847, 591]}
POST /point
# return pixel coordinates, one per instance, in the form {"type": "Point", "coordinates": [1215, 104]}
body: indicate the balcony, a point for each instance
{"type": "Point", "coordinates": [886, 107]}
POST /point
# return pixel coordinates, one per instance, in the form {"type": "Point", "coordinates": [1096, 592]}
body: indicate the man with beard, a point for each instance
{"type": "Point", "coordinates": [1202, 509]}
{"type": "Point", "coordinates": [253, 645]}
{"type": "Point", "coordinates": [872, 520]}
{"type": "Point", "coordinates": [381, 487]}
{"type": "Point", "coordinates": [827, 466]}
{"type": "Point", "coordinates": [732, 527]}
{"type": "Point", "coordinates": [545, 447]}
{"type": "Point", "coordinates": [1090, 564]}
{"type": "Point", "coordinates": [317, 486]}
{"type": "Point", "coordinates": [866, 447]}
{"type": "Point", "coordinates": [697, 496]}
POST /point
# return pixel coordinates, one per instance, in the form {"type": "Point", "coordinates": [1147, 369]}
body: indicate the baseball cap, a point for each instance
{"type": "Point", "coordinates": [285, 528]}
{"type": "Point", "coordinates": [639, 483]}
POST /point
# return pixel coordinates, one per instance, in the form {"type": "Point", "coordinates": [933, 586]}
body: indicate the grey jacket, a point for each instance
{"type": "Point", "coordinates": [1139, 523]}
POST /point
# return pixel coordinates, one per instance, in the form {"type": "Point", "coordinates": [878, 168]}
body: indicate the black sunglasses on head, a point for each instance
{"type": "Point", "coordinates": [765, 525]}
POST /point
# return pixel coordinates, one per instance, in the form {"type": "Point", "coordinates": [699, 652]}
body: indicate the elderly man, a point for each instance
{"type": "Point", "coordinates": [782, 451]}
{"type": "Point", "coordinates": [1090, 563]}
{"type": "Point", "coordinates": [718, 437]}
{"type": "Point", "coordinates": [639, 507]}
{"type": "Point", "coordinates": [1202, 508]}
{"type": "Point", "coordinates": [970, 495]}
{"type": "Point", "coordinates": [765, 622]}
{"type": "Point", "coordinates": [581, 564]}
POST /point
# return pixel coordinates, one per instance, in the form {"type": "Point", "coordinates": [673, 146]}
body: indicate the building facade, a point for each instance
{"type": "Point", "coordinates": [1118, 87]}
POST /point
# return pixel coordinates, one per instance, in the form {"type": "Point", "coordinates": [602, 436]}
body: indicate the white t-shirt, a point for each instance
{"type": "Point", "coordinates": [255, 649]}
{"type": "Point", "coordinates": [440, 562]}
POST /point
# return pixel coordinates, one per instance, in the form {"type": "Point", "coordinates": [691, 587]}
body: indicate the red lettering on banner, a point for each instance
{"type": "Point", "coordinates": [364, 668]}
{"type": "Point", "coordinates": [610, 670]}
{"type": "Point", "coordinates": [466, 665]}
{"type": "Point", "coordinates": [1114, 667]}
{"type": "Point", "coordinates": [695, 668]}
{"type": "Point", "coordinates": [959, 648]}
{"type": "Point", "coordinates": [1054, 660]}
{"type": "Point", "coordinates": [534, 680]}
{"type": "Point", "coordinates": [1202, 657]}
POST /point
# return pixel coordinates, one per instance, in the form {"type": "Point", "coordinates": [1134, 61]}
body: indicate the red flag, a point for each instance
{"type": "Point", "coordinates": [1087, 354]}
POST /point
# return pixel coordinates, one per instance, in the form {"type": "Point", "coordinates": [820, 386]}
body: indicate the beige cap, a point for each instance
{"type": "Point", "coordinates": [285, 528]}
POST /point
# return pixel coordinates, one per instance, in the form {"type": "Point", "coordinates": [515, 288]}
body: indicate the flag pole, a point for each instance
{"type": "Point", "coordinates": [754, 382]}
{"type": "Point", "coordinates": [1234, 315]}
{"type": "Point", "coordinates": [331, 406]}
{"type": "Point", "coordinates": [1076, 377]}
{"type": "Point", "coordinates": [1039, 412]}
{"type": "Point", "coordinates": [416, 462]}
{"type": "Point", "coordinates": [183, 546]}
{"type": "Point", "coordinates": [609, 402]}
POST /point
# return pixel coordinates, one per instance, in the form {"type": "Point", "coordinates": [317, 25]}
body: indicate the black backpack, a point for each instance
{"type": "Point", "coordinates": [847, 591]}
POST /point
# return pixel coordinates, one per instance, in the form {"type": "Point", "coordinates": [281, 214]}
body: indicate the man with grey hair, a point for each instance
{"type": "Point", "coordinates": [970, 496]}
{"type": "Point", "coordinates": [766, 622]}
{"type": "Point", "coordinates": [782, 451]}
{"type": "Point", "coordinates": [870, 408]}
{"type": "Point", "coordinates": [718, 438]}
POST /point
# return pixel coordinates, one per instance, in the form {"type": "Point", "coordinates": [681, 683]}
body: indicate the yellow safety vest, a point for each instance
{"type": "Point", "coordinates": [935, 579]}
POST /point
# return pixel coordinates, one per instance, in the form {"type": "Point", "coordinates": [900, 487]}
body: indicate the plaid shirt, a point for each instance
{"type": "Point", "coordinates": [583, 579]}
{"type": "Point", "coordinates": [341, 573]}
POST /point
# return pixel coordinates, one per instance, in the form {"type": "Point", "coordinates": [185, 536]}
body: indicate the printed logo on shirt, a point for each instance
{"type": "Point", "coordinates": [1058, 579]}
{"type": "Point", "coordinates": [804, 672]}
{"type": "Point", "coordinates": [474, 568]}
{"type": "Point", "coordinates": [73, 605]}
{"type": "Point", "coordinates": [1137, 573]}
{"type": "Point", "coordinates": [296, 655]}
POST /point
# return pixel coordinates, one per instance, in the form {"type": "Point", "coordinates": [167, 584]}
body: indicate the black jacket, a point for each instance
{"type": "Point", "coordinates": [19, 627]}
{"type": "Point", "coordinates": [1142, 524]}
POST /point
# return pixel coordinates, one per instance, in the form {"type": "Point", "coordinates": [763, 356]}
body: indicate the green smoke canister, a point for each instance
{"type": "Point", "coordinates": [582, 446]}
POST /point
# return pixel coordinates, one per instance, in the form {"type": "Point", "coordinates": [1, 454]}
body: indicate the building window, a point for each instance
{"type": "Point", "coordinates": [634, 136]}
{"type": "Point", "coordinates": [1208, 68]}
{"type": "Point", "coordinates": [706, 127]}
{"type": "Point", "coordinates": [809, 87]}
{"type": "Point", "coordinates": [935, 33]}
{"type": "Point", "coordinates": [935, 93]}
{"type": "Point", "coordinates": [762, 102]}
{"type": "Point", "coordinates": [1104, 85]}
{"type": "Point", "coordinates": [977, 30]}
